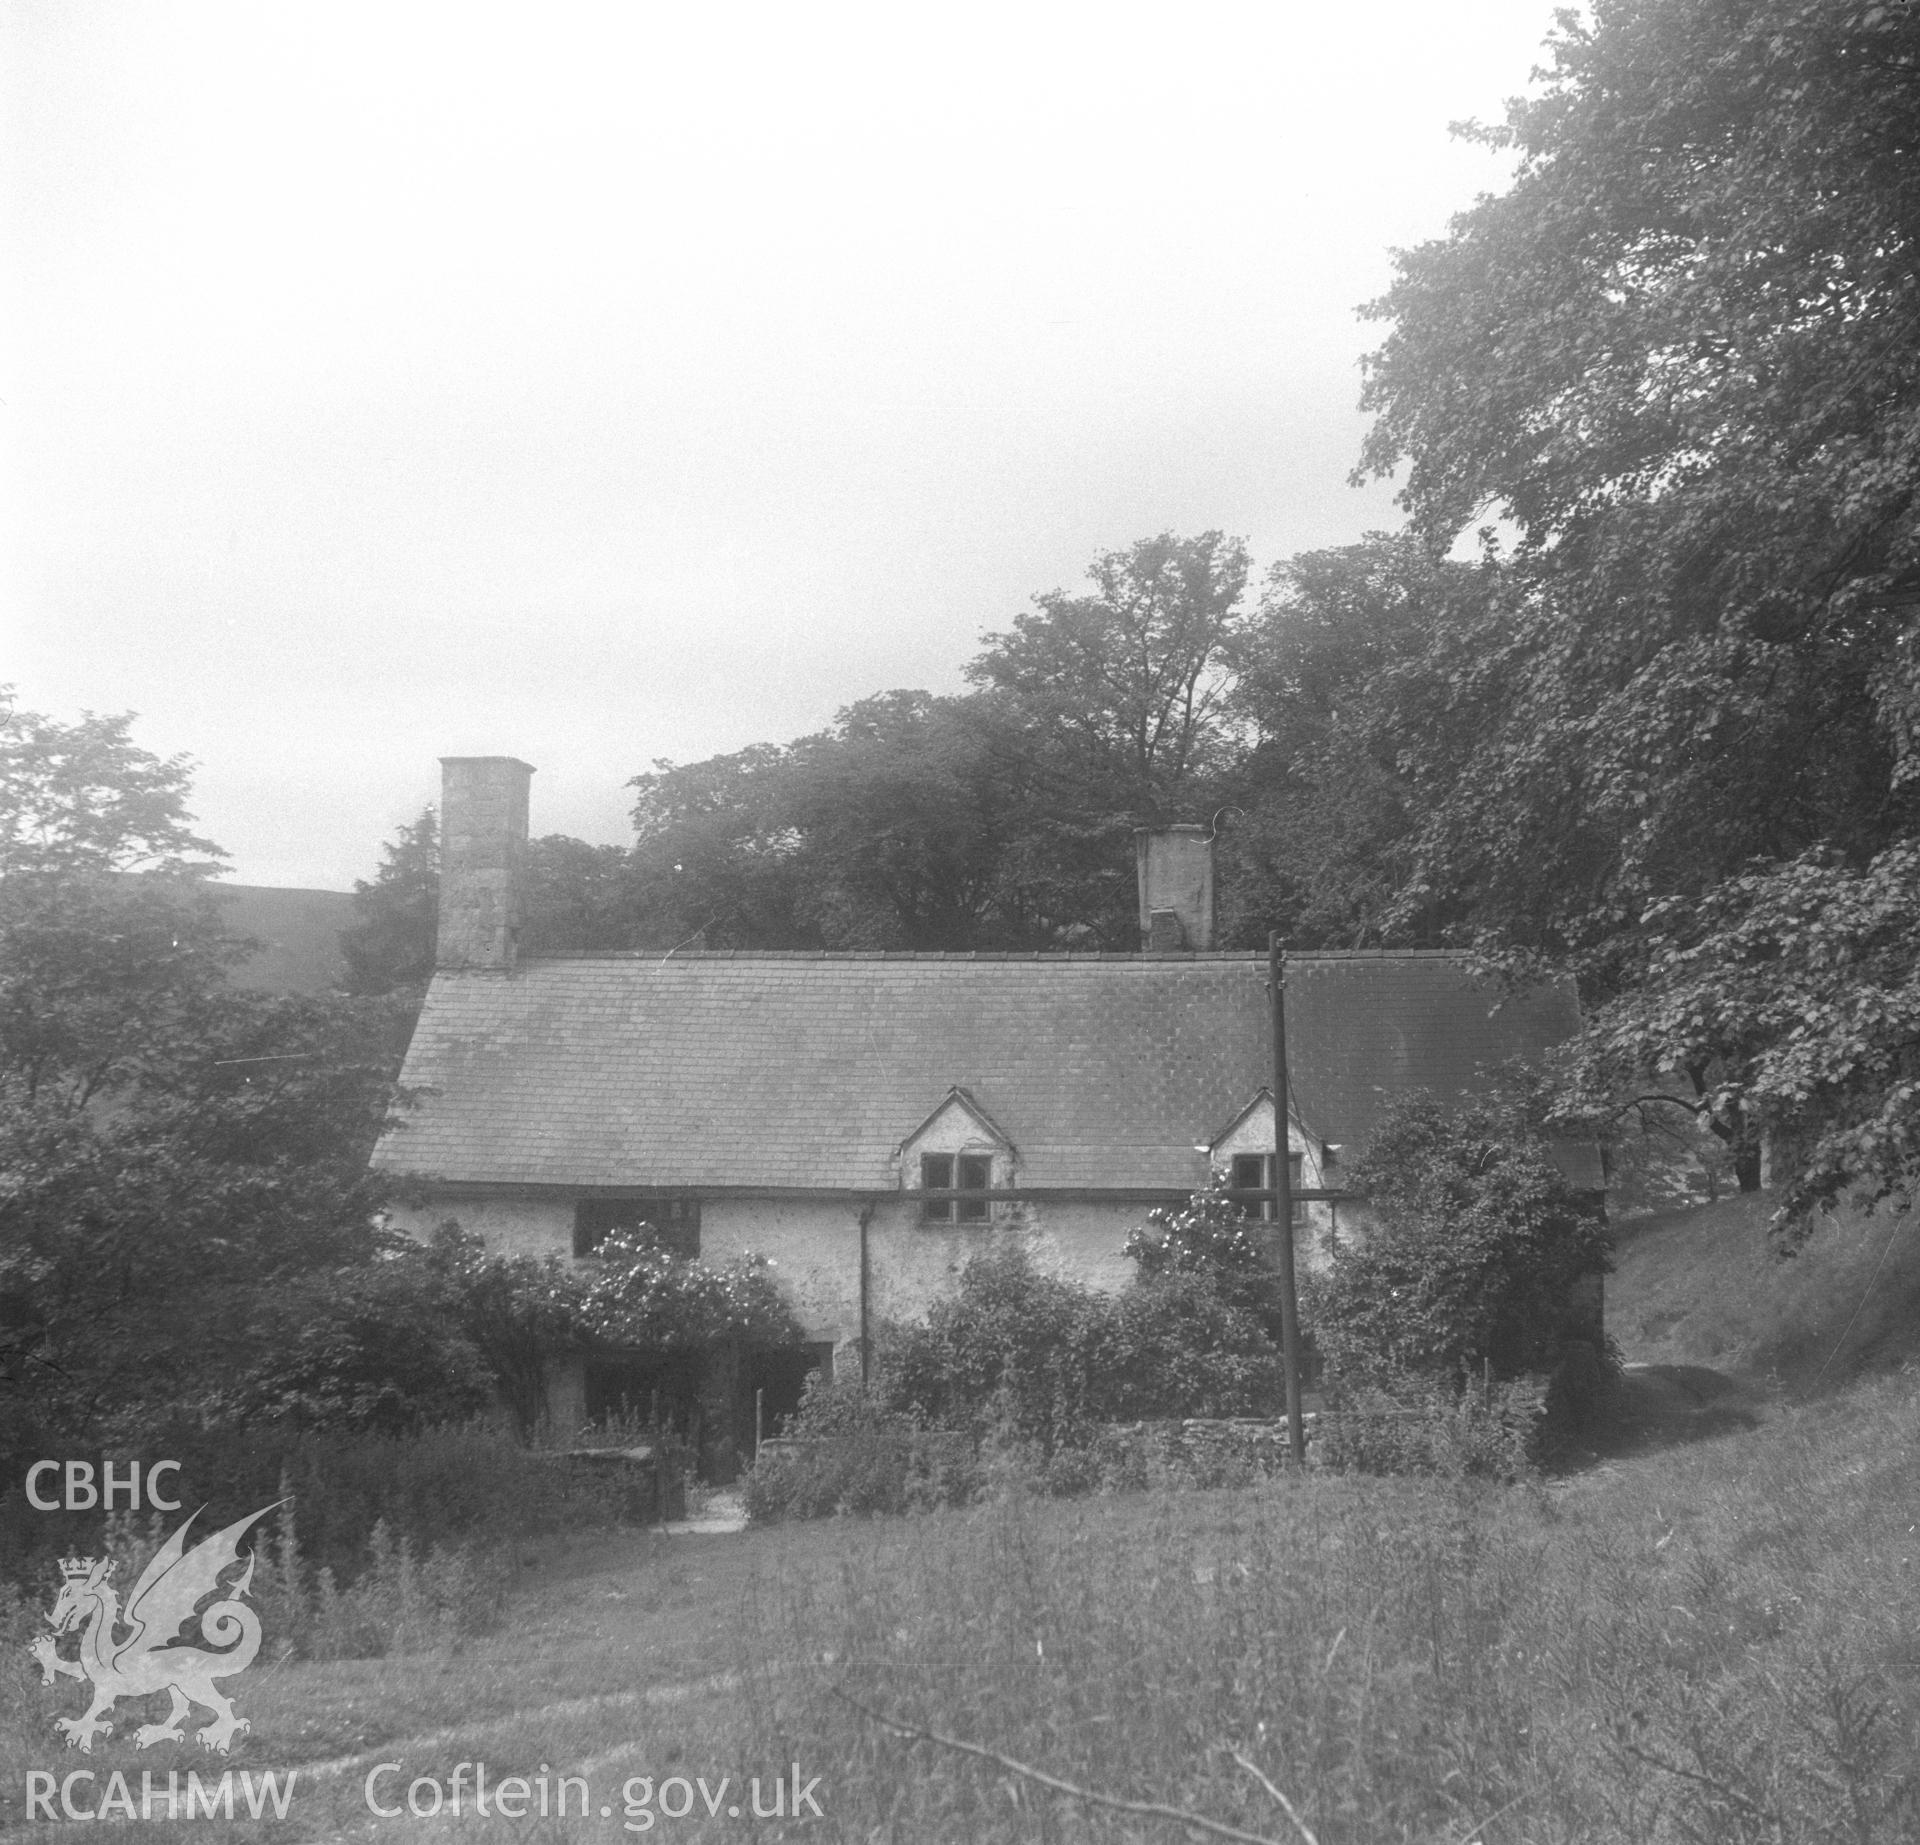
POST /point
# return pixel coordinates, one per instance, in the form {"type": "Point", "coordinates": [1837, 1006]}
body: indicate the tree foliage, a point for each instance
{"type": "Point", "coordinates": [376, 1347]}
{"type": "Point", "coordinates": [577, 896]}
{"type": "Point", "coordinates": [1366, 692]}
{"type": "Point", "coordinates": [1679, 357]}
{"type": "Point", "coordinates": [133, 1240]}
{"type": "Point", "coordinates": [175, 1149]}
{"type": "Point", "coordinates": [1045, 1360]}
{"type": "Point", "coordinates": [1474, 1254]}
{"type": "Point", "coordinates": [887, 830]}
{"type": "Point", "coordinates": [1789, 1005]}
{"type": "Point", "coordinates": [390, 949]}
{"type": "Point", "coordinates": [1121, 698]}
{"type": "Point", "coordinates": [84, 797]}
{"type": "Point", "coordinates": [999, 819]}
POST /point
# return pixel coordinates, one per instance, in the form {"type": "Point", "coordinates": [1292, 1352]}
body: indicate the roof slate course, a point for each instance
{"type": "Point", "coordinates": [808, 1071]}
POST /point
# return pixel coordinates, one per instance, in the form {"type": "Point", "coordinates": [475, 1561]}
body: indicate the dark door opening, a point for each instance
{"type": "Point", "coordinates": [776, 1379]}
{"type": "Point", "coordinates": [639, 1394]}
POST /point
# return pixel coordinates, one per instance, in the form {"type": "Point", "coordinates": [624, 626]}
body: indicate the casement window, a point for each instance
{"type": "Point", "coordinates": [956, 1174]}
{"type": "Point", "coordinates": [1253, 1172]}
{"type": "Point", "coordinates": [675, 1222]}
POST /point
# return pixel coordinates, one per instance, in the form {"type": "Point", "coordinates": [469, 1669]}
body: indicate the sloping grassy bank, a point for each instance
{"type": "Point", "coordinates": [1716, 1640]}
{"type": "Point", "coordinates": [1720, 1641]}
{"type": "Point", "coordinates": [1702, 1286]}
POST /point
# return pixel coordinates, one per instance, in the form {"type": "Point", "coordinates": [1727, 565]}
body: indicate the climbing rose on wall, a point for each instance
{"type": "Point", "coordinates": [640, 1295]}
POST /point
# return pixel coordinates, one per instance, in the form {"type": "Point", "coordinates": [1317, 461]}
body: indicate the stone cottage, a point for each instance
{"type": "Point", "coordinates": [869, 1121]}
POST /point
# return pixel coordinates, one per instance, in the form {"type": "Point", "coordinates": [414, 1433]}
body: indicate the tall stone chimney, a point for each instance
{"type": "Point", "coordinates": [483, 851]}
{"type": "Point", "coordinates": [1175, 864]}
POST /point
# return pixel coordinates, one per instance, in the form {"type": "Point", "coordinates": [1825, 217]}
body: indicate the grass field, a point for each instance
{"type": "Point", "coordinates": [1711, 1634]}
{"type": "Point", "coordinates": [1721, 1635]}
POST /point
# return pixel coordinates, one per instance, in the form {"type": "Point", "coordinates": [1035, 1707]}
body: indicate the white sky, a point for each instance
{"type": "Point", "coordinates": [594, 383]}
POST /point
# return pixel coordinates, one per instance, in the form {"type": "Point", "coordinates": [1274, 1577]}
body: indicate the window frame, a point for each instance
{"type": "Point", "coordinates": [954, 1175]}
{"type": "Point", "coordinates": [1266, 1210]}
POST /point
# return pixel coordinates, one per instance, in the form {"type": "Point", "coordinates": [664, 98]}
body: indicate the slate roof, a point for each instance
{"type": "Point", "coordinates": [779, 1071]}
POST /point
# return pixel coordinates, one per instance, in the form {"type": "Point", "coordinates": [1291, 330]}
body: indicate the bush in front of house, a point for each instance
{"type": "Point", "coordinates": [1475, 1272]}
{"type": "Point", "coordinates": [1029, 1380]}
{"type": "Point", "coordinates": [1044, 1362]}
{"type": "Point", "coordinates": [376, 1348]}
{"type": "Point", "coordinates": [1210, 1237]}
{"type": "Point", "coordinates": [1180, 1345]}
{"type": "Point", "coordinates": [848, 1452]}
{"type": "Point", "coordinates": [1006, 1352]}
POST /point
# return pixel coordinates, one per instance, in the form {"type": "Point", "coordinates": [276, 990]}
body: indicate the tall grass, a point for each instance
{"type": "Point", "coordinates": [376, 1546]}
{"type": "Point", "coordinates": [1705, 1287]}
{"type": "Point", "coordinates": [1721, 1644]}
{"type": "Point", "coordinates": [471, 1487]}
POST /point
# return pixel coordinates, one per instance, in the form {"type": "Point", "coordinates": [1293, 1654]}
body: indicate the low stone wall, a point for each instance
{"type": "Point", "coordinates": [651, 1492]}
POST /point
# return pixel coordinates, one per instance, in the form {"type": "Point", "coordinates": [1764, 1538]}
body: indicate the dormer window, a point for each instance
{"type": "Point", "coordinates": [1253, 1172]}
{"type": "Point", "coordinates": [956, 1174]}
{"type": "Point", "coordinates": [957, 1158]}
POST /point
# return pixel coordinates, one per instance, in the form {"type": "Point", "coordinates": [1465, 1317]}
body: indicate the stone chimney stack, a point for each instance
{"type": "Point", "coordinates": [1175, 864]}
{"type": "Point", "coordinates": [483, 852]}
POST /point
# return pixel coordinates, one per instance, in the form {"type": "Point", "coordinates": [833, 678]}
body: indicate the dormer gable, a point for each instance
{"type": "Point", "coordinates": [958, 1123]}
{"type": "Point", "coordinates": [1243, 1149]}
{"type": "Point", "coordinates": [961, 1152]}
{"type": "Point", "coordinates": [1251, 1131]}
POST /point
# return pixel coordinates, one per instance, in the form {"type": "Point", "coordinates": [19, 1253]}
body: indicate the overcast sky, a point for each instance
{"type": "Point", "coordinates": [595, 383]}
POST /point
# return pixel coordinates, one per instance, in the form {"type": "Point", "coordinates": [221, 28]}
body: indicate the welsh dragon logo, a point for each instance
{"type": "Point", "coordinates": [153, 1655]}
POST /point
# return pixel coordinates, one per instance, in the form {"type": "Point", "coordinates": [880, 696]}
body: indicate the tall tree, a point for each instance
{"type": "Point", "coordinates": [1120, 698]}
{"type": "Point", "coordinates": [888, 830]}
{"type": "Point", "coordinates": [577, 896]}
{"type": "Point", "coordinates": [169, 1141]}
{"type": "Point", "coordinates": [85, 797]}
{"type": "Point", "coordinates": [1110, 711]}
{"type": "Point", "coordinates": [390, 949]}
{"type": "Point", "coordinates": [1001, 819]}
{"type": "Point", "coordinates": [905, 821]}
{"type": "Point", "coordinates": [1358, 729]}
{"type": "Point", "coordinates": [97, 967]}
{"type": "Point", "coordinates": [1680, 356]}
{"type": "Point", "coordinates": [714, 853]}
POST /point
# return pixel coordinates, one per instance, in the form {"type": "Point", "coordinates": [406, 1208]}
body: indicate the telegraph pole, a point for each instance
{"type": "Point", "coordinates": [1283, 1198]}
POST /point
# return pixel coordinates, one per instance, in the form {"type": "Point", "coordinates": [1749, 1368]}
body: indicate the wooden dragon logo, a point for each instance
{"type": "Point", "coordinates": [133, 1653]}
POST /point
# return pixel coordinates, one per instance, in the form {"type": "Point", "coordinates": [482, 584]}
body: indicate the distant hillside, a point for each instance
{"type": "Point", "coordinates": [299, 931]}
{"type": "Point", "coordinates": [1702, 1287]}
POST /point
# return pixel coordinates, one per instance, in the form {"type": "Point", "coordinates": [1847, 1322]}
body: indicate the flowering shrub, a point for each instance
{"type": "Point", "coordinates": [639, 1294]}
{"type": "Point", "coordinates": [518, 1313]}
{"type": "Point", "coordinates": [1210, 1234]}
